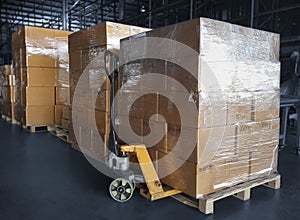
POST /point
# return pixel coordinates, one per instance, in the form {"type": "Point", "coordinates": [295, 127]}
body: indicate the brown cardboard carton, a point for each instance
{"type": "Point", "coordinates": [102, 101]}
{"type": "Point", "coordinates": [75, 62]}
{"type": "Point", "coordinates": [58, 114]}
{"type": "Point", "coordinates": [78, 40]}
{"type": "Point", "coordinates": [237, 170]}
{"type": "Point", "coordinates": [209, 143]}
{"type": "Point", "coordinates": [181, 75]}
{"type": "Point", "coordinates": [38, 37]}
{"type": "Point", "coordinates": [40, 96]}
{"type": "Point", "coordinates": [110, 33]}
{"type": "Point", "coordinates": [6, 93]}
{"type": "Point", "coordinates": [7, 109]}
{"type": "Point", "coordinates": [239, 106]}
{"type": "Point", "coordinates": [209, 110]}
{"type": "Point", "coordinates": [129, 129]}
{"type": "Point", "coordinates": [137, 104]}
{"type": "Point", "coordinates": [39, 76]}
{"type": "Point", "coordinates": [98, 147]}
{"type": "Point", "coordinates": [101, 120]}
{"type": "Point", "coordinates": [62, 77]}
{"type": "Point", "coordinates": [39, 115]}
{"type": "Point", "coordinates": [266, 105]}
{"type": "Point", "coordinates": [65, 124]}
{"type": "Point", "coordinates": [189, 178]}
{"type": "Point", "coordinates": [151, 130]}
{"type": "Point", "coordinates": [67, 113]}
{"type": "Point", "coordinates": [61, 35]}
{"type": "Point", "coordinates": [40, 60]}
{"type": "Point", "coordinates": [62, 95]}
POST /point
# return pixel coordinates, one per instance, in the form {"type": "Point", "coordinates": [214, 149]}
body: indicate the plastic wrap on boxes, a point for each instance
{"type": "Point", "coordinates": [62, 96]}
{"type": "Point", "coordinates": [235, 127]}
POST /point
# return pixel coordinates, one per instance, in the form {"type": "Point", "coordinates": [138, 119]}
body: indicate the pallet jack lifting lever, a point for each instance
{"type": "Point", "coordinates": [121, 189]}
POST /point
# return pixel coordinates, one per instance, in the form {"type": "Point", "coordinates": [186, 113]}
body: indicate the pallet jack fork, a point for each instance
{"type": "Point", "coordinates": [121, 189]}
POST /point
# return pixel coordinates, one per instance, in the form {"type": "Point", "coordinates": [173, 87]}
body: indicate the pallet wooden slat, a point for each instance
{"type": "Point", "coordinates": [40, 128]}
{"type": "Point", "coordinates": [241, 191]}
{"type": "Point", "coordinates": [60, 132]}
{"type": "Point", "coordinates": [8, 119]}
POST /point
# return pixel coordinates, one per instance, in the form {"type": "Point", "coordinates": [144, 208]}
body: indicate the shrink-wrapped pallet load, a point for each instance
{"type": "Point", "coordinates": [41, 68]}
{"type": "Point", "coordinates": [86, 54]}
{"type": "Point", "coordinates": [235, 92]}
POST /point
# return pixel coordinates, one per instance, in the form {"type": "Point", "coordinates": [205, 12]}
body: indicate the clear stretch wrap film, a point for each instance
{"type": "Point", "coordinates": [41, 63]}
{"type": "Point", "coordinates": [86, 54]}
{"type": "Point", "coordinates": [7, 90]}
{"type": "Point", "coordinates": [236, 122]}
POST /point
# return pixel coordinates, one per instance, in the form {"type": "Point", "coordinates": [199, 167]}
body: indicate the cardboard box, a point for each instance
{"type": "Point", "coordinates": [110, 33]}
{"type": "Point", "coordinates": [37, 37]}
{"type": "Point", "coordinates": [239, 107]}
{"type": "Point", "coordinates": [201, 110]}
{"type": "Point", "coordinates": [100, 120]}
{"type": "Point", "coordinates": [129, 129]}
{"type": "Point", "coordinates": [65, 124]}
{"type": "Point", "coordinates": [62, 95]}
{"type": "Point", "coordinates": [7, 109]}
{"type": "Point", "coordinates": [35, 57]}
{"type": "Point", "coordinates": [75, 62]}
{"type": "Point", "coordinates": [35, 76]}
{"type": "Point", "coordinates": [99, 145]}
{"type": "Point", "coordinates": [39, 96]}
{"type": "Point", "coordinates": [39, 115]}
{"type": "Point", "coordinates": [219, 69]}
{"type": "Point", "coordinates": [188, 177]}
{"type": "Point", "coordinates": [58, 114]}
{"type": "Point", "coordinates": [209, 143]}
{"type": "Point", "coordinates": [154, 135]}
{"type": "Point", "coordinates": [6, 93]}
{"type": "Point", "coordinates": [62, 77]}
{"type": "Point", "coordinates": [137, 104]}
{"type": "Point", "coordinates": [266, 105]}
{"type": "Point", "coordinates": [102, 101]}
{"type": "Point", "coordinates": [67, 113]}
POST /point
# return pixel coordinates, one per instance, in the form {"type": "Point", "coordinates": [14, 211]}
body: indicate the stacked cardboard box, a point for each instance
{"type": "Point", "coordinates": [86, 53]}
{"type": "Point", "coordinates": [40, 60]}
{"type": "Point", "coordinates": [7, 91]}
{"type": "Point", "coordinates": [66, 117]}
{"type": "Point", "coordinates": [235, 92]}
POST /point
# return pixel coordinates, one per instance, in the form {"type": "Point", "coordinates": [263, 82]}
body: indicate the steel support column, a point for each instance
{"type": "Point", "coordinates": [252, 13]}
{"type": "Point", "coordinates": [65, 14]}
{"type": "Point", "coordinates": [191, 9]}
{"type": "Point", "coordinates": [150, 14]}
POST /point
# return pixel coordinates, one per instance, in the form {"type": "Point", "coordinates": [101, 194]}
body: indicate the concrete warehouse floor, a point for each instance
{"type": "Point", "coordinates": [41, 177]}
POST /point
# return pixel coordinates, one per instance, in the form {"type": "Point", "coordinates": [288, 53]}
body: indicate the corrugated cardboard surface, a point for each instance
{"type": "Point", "coordinates": [39, 115]}
{"type": "Point", "coordinates": [58, 114]}
{"type": "Point", "coordinates": [39, 96]}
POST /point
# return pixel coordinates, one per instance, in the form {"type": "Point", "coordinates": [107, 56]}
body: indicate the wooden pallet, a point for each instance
{"type": "Point", "coordinates": [8, 119]}
{"type": "Point", "coordinates": [60, 132]}
{"type": "Point", "coordinates": [39, 128]}
{"type": "Point", "coordinates": [241, 191]}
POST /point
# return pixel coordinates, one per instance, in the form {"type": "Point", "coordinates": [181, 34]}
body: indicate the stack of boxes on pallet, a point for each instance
{"type": "Point", "coordinates": [236, 124]}
{"type": "Point", "coordinates": [86, 52]}
{"type": "Point", "coordinates": [7, 91]}
{"type": "Point", "coordinates": [66, 117]}
{"type": "Point", "coordinates": [40, 63]}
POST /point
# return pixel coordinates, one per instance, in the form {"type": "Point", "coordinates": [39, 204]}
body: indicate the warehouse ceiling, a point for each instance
{"type": "Point", "coordinates": [281, 16]}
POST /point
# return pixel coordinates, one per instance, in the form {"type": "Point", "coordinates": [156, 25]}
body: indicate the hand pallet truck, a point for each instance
{"type": "Point", "coordinates": [121, 189]}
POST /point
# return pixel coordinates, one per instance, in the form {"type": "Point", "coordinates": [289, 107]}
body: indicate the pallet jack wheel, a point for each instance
{"type": "Point", "coordinates": [121, 189]}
